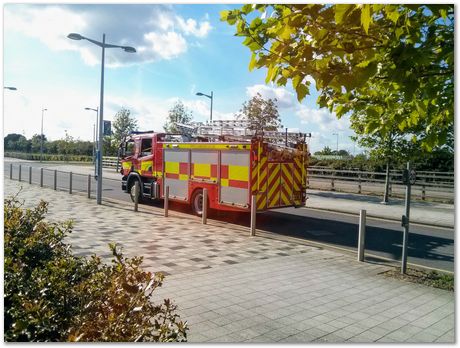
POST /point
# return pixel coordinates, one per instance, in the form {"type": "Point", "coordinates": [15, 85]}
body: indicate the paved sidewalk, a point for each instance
{"type": "Point", "coordinates": [437, 214]}
{"type": "Point", "coordinates": [234, 288]}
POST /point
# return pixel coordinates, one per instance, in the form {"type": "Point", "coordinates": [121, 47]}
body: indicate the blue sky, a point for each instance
{"type": "Point", "coordinates": [182, 49]}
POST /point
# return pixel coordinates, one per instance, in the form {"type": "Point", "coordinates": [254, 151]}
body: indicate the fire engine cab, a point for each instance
{"type": "Point", "coordinates": [224, 157]}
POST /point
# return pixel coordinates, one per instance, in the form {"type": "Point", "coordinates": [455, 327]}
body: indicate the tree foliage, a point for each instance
{"type": "Point", "coordinates": [177, 114]}
{"type": "Point", "coordinates": [123, 124]}
{"type": "Point", "coordinates": [260, 113]}
{"type": "Point", "coordinates": [52, 295]}
{"type": "Point", "coordinates": [394, 63]}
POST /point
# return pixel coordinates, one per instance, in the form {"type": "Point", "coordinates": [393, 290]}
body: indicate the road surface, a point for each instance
{"type": "Point", "coordinates": [428, 246]}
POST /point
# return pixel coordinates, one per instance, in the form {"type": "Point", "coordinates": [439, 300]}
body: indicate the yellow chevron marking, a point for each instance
{"type": "Point", "coordinates": [287, 170]}
{"type": "Point", "coordinates": [262, 204]}
{"type": "Point", "coordinates": [276, 169]}
{"type": "Point", "coordinates": [284, 199]}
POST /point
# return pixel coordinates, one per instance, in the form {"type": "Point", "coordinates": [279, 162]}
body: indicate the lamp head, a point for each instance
{"type": "Point", "coordinates": [129, 49]}
{"type": "Point", "coordinates": [75, 36]}
{"type": "Point", "coordinates": [200, 94]}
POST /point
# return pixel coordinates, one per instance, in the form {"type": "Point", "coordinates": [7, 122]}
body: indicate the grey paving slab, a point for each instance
{"type": "Point", "coordinates": [307, 295]}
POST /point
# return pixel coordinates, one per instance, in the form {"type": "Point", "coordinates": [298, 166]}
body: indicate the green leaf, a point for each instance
{"type": "Point", "coordinates": [252, 62]}
{"type": "Point", "coordinates": [366, 17]}
{"type": "Point", "coordinates": [443, 13]}
{"type": "Point", "coordinates": [302, 91]}
{"type": "Point", "coordinates": [340, 12]}
{"type": "Point", "coordinates": [393, 15]}
{"type": "Point", "coordinates": [224, 15]}
{"type": "Point", "coordinates": [247, 8]}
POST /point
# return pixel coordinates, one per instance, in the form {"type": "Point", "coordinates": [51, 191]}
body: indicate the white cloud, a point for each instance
{"type": "Point", "coordinates": [191, 27]}
{"type": "Point", "coordinates": [321, 118]}
{"type": "Point", "coordinates": [285, 98]}
{"type": "Point", "coordinates": [166, 45]}
{"type": "Point", "coordinates": [156, 31]}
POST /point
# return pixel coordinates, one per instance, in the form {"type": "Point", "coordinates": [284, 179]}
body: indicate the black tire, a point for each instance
{"type": "Point", "coordinates": [196, 202]}
{"type": "Point", "coordinates": [131, 191]}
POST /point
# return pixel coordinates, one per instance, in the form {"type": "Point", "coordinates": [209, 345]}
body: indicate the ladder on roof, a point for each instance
{"type": "Point", "coordinates": [239, 130]}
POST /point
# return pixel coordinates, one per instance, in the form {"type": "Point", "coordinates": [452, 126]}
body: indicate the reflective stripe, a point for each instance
{"type": "Point", "coordinates": [286, 184]}
{"type": "Point", "coordinates": [297, 180]}
{"type": "Point", "coordinates": [207, 146]}
{"type": "Point", "coordinates": [172, 167]}
{"type": "Point", "coordinates": [239, 173]}
{"type": "Point", "coordinates": [274, 178]}
{"type": "Point", "coordinates": [176, 172]}
{"type": "Point", "coordinates": [234, 177]}
{"type": "Point", "coordinates": [146, 167]}
{"type": "Point", "coordinates": [201, 170]}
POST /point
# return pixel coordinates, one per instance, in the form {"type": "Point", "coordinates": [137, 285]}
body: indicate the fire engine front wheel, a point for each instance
{"type": "Point", "coordinates": [132, 192]}
{"type": "Point", "coordinates": [197, 202]}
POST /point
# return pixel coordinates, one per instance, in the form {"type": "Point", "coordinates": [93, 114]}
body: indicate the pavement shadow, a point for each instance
{"type": "Point", "coordinates": [381, 241]}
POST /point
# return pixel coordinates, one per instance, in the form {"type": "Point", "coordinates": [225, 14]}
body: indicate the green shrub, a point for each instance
{"type": "Point", "coordinates": [49, 157]}
{"type": "Point", "coordinates": [52, 295]}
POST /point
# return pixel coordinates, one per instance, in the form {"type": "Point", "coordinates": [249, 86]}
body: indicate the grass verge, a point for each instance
{"type": "Point", "coordinates": [430, 278]}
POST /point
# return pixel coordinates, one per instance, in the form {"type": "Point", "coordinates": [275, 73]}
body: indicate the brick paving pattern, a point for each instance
{"type": "Point", "coordinates": [234, 288]}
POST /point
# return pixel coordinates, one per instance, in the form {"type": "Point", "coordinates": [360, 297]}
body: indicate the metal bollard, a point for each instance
{"type": "Point", "coordinates": [136, 195]}
{"type": "Point", "coordinates": [19, 177]}
{"type": "Point", "coordinates": [359, 183]}
{"type": "Point", "coordinates": [253, 215]}
{"type": "Point", "coordinates": [361, 234]}
{"type": "Point", "coordinates": [70, 183]}
{"type": "Point", "coordinates": [89, 186]}
{"type": "Point", "coordinates": [11, 171]}
{"type": "Point", "coordinates": [55, 180]}
{"type": "Point", "coordinates": [166, 205]}
{"type": "Point", "coordinates": [204, 215]}
{"type": "Point", "coordinates": [41, 177]}
{"type": "Point", "coordinates": [423, 192]}
{"type": "Point", "coordinates": [30, 175]}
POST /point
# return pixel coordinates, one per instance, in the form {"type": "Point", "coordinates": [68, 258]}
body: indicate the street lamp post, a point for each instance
{"type": "Point", "coordinates": [95, 139]}
{"type": "Point", "coordinates": [337, 147]}
{"type": "Point", "coordinates": [210, 97]}
{"type": "Point", "coordinates": [41, 137]}
{"type": "Point", "coordinates": [103, 45]}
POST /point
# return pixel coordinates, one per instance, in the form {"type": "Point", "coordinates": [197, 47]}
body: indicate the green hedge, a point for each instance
{"type": "Point", "coordinates": [52, 295]}
{"type": "Point", "coordinates": [49, 157]}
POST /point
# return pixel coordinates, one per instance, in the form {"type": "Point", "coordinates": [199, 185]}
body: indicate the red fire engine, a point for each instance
{"type": "Point", "coordinates": [224, 157]}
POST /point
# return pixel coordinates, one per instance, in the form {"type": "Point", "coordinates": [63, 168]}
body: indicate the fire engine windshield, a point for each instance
{"type": "Point", "coordinates": [128, 149]}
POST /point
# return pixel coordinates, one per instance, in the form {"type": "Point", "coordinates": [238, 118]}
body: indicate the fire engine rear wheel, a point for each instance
{"type": "Point", "coordinates": [131, 191]}
{"type": "Point", "coordinates": [197, 202]}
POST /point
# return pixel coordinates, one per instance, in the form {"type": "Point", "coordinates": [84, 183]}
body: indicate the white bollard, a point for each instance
{"type": "Point", "coordinates": [361, 234]}
{"type": "Point", "coordinates": [253, 214]}
{"type": "Point", "coordinates": [136, 195]}
{"type": "Point", "coordinates": [166, 205]}
{"type": "Point", "coordinates": [204, 215]}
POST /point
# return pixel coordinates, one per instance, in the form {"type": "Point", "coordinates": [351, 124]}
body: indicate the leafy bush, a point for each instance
{"type": "Point", "coordinates": [49, 157]}
{"type": "Point", "coordinates": [52, 295]}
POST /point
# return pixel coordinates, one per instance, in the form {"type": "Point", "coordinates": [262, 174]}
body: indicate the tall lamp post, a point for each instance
{"type": "Point", "coordinates": [103, 45]}
{"type": "Point", "coordinates": [95, 139]}
{"type": "Point", "coordinates": [337, 147]}
{"type": "Point", "coordinates": [41, 137]}
{"type": "Point", "coordinates": [210, 97]}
